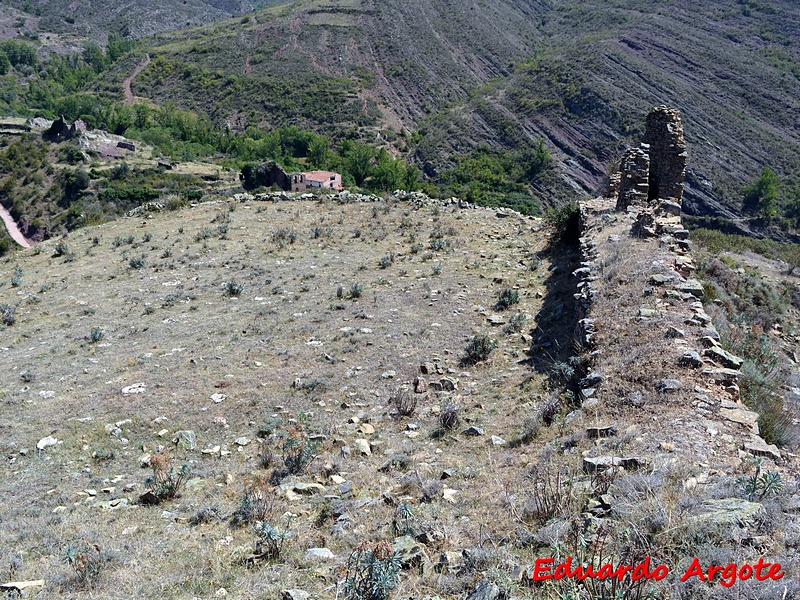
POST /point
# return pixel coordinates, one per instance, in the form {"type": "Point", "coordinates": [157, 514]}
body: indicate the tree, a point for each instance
{"type": "Point", "coordinates": [388, 171]}
{"type": "Point", "coordinates": [94, 57]}
{"type": "Point", "coordinates": [19, 53]}
{"type": "Point", "coordinates": [358, 162]}
{"type": "Point", "coordinates": [117, 47]}
{"type": "Point", "coordinates": [76, 182]}
{"type": "Point", "coordinates": [762, 196]}
{"type": "Point", "coordinates": [319, 152]}
{"type": "Point", "coordinates": [5, 64]}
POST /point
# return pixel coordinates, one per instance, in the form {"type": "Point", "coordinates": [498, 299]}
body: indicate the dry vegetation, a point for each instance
{"type": "Point", "coordinates": [235, 318]}
{"type": "Point", "coordinates": [262, 396]}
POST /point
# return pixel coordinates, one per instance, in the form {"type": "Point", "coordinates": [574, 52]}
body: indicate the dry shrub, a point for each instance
{"type": "Point", "coordinates": [404, 402]}
{"type": "Point", "coordinates": [448, 415]}
{"type": "Point", "coordinates": [257, 501]}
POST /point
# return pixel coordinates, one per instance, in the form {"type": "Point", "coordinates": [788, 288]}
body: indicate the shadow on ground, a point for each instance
{"type": "Point", "coordinates": [553, 341]}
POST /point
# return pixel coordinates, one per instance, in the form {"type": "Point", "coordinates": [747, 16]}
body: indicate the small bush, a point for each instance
{"type": "Point", "coordinates": [166, 482]}
{"type": "Point", "coordinates": [373, 571]}
{"type": "Point", "coordinates": [405, 403]}
{"type": "Point", "coordinates": [203, 234]}
{"type": "Point", "coordinates": [549, 410]}
{"type": "Point", "coordinates": [506, 299]}
{"type": "Point", "coordinates": [386, 261]}
{"type": "Point", "coordinates": [8, 314]}
{"type": "Point", "coordinates": [298, 451]}
{"type": "Point", "coordinates": [16, 281]}
{"type": "Point", "coordinates": [355, 291]}
{"type": "Point", "coordinates": [448, 415]}
{"type": "Point", "coordinates": [86, 561]}
{"type": "Point", "coordinates": [516, 323]}
{"type": "Point", "coordinates": [233, 288]}
{"type": "Point", "coordinates": [403, 522]}
{"type": "Point", "coordinates": [103, 455]}
{"type": "Point", "coordinates": [270, 540]}
{"type": "Point", "coordinates": [478, 349]}
{"type": "Point", "coordinates": [760, 485]}
{"type": "Point", "coordinates": [136, 263]}
{"type": "Point", "coordinates": [96, 335]}
{"type": "Point", "coordinates": [530, 429]}
{"type": "Point", "coordinates": [550, 493]}
{"type": "Point", "coordinates": [61, 249]}
{"type": "Point", "coordinates": [257, 502]}
{"type": "Point", "coordinates": [283, 236]}
{"type": "Point", "coordinates": [565, 221]}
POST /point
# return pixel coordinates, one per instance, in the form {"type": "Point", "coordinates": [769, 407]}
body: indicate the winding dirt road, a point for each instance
{"type": "Point", "coordinates": [13, 230]}
{"type": "Point", "coordinates": [126, 85]}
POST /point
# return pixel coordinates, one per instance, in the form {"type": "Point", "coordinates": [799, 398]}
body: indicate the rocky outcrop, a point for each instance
{"type": "Point", "coordinates": [265, 175]}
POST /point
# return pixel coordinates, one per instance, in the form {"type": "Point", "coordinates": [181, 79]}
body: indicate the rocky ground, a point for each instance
{"type": "Point", "coordinates": [317, 365]}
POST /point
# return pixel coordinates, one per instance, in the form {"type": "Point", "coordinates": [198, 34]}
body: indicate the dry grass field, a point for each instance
{"type": "Point", "coordinates": [236, 398]}
{"type": "Point", "coordinates": [232, 320]}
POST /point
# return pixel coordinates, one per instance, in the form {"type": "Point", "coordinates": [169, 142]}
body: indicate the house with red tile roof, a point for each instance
{"type": "Point", "coordinates": [315, 179]}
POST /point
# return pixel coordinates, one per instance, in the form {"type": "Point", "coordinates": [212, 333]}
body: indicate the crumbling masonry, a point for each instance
{"type": "Point", "coordinates": [655, 169]}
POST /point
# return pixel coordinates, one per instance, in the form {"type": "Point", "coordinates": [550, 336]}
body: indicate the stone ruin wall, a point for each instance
{"type": "Point", "coordinates": [644, 202]}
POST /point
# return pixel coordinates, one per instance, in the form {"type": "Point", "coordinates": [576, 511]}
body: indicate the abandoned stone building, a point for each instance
{"type": "Point", "coordinates": [655, 169]}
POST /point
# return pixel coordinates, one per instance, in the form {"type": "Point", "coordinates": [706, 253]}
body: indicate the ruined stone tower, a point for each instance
{"type": "Point", "coordinates": [664, 134]}
{"type": "Point", "coordinates": [654, 170]}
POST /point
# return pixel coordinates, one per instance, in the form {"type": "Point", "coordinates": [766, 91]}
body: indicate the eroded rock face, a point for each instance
{"type": "Point", "coordinates": [664, 135]}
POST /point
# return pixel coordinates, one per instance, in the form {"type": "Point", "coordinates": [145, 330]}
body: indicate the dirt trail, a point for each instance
{"type": "Point", "coordinates": [13, 230]}
{"type": "Point", "coordinates": [126, 85]}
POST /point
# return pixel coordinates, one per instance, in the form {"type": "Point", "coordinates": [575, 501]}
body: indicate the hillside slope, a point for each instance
{"type": "Point", "coordinates": [578, 75]}
{"type": "Point", "coordinates": [138, 19]}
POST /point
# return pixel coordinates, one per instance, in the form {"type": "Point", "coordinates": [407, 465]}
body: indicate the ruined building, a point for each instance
{"type": "Point", "coordinates": [655, 169]}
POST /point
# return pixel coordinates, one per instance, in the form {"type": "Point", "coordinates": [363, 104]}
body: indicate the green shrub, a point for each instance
{"type": "Point", "coordinates": [516, 323]}
{"type": "Point", "coordinates": [233, 288]}
{"type": "Point", "coordinates": [373, 572]}
{"type": "Point", "coordinates": [386, 261]}
{"type": "Point", "coordinates": [95, 335]}
{"type": "Point", "coordinates": [355, 291]}
{"type": "Point", "coordinates": [270, 540]}
{"type": "Point", "coordinates": [478, 349]}
{"type": "Point", "coordinates": [204, 234]}
{"type": "Point", "coordinates": [506, 299]}
{"type": "Point", "coordinates": [61, 249]}
{"type": "Point", "coordinates": [760, 485]}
